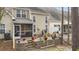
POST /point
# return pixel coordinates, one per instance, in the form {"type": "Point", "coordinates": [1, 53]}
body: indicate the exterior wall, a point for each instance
{"type": "Point", "coordinates": [52, 28]}
{"type": "Point", "coordinates": [53, 22]}
{"type": "Point", "coordinates": [40, 22]}
{"type": "Point", "coordinates": [1, 36]}
{"type": "Point", "coordinates": [8, 25]}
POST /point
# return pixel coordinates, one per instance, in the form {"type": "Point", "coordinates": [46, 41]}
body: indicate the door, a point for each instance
{"type": "Point", "coordinates": [17, 31]}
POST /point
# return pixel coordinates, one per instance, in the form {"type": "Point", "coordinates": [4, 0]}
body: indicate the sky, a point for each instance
{"type": "Point", "coordinates": [60, 8]}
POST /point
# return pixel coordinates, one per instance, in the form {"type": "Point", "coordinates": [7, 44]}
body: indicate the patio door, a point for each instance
{"type": "Point", "coordinates": [17, 31]}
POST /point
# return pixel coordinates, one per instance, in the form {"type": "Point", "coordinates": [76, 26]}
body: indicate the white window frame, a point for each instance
{"type": "Point", "coordinates": [2, 28]}
{"type": "Point", "coordinates": [21, 13]}
{"type": "Point", "coordinates": [18, 13]}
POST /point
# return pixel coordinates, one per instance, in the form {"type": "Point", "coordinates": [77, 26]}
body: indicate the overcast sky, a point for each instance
{"type": "Point", "coordinates": [65, 8]}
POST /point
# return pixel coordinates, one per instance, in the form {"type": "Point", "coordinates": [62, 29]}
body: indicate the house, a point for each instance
{"type": "Point", "coordinates": [55, 25]}
{"type": "Point", "coordinates": [22, 22]}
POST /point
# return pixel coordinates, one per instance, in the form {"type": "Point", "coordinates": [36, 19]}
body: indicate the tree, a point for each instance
{"type": "Point", "coordinates": [75, 28]}
{"type": "Point", "coordinates": [62, 25]}
{"type": "Point", "coordinates": [68, 26]}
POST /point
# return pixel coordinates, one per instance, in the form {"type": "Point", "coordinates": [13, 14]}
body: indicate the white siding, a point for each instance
{"type": "Point", "coordinates": [1, 36]}
{"type": "Point", "coordinates": [8, 24]}
{"type": "Point", "coordinates": [40, 22]}
{"type": "Point", "coordinates": [52, 28]}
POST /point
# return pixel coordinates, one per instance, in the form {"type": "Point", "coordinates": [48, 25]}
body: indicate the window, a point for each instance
{"type": "Point", "coordinates": [59, 28]}
{"type": "Point", "coordinates": [34, 19]}
{"type": "Point", "coordinates": [46, 28]}
{"type": "Point", "coordinates": [70, 26]}
{"type": "Point", "coordinates": [2, 28]}
{"type": "Point", "coordinates": [18, 13]}
{"type": "Point", "coordinates": [56, 25]}
{"type": "Point", "coordinates": [34, 28]}
{"type": "Point", "coordinates": [21, 13]}
{"type": "Point", "coordinates": [46, 19]}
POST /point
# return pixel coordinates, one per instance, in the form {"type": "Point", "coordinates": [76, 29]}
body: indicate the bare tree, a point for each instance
{"type": "Point", "coordinates": [68, 26]}
{"type": "Point", "coordinates": [62, 25]}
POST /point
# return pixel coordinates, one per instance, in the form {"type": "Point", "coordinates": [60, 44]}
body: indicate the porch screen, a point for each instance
{"type": "Point", "coordinates": [26, 30]}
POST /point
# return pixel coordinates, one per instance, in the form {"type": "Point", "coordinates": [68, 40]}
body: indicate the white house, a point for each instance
{"type": "Point", "coordinates": [55, 25]}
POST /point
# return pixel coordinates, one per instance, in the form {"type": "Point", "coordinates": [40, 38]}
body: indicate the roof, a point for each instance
{"type": "Point", "coordinates": [37, 9]}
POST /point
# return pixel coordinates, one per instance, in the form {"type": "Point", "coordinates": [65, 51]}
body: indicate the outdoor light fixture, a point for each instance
{"type": "Point", "coordinates": [13, 19]}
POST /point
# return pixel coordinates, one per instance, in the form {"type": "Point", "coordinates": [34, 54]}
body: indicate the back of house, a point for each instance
{"type": "Point", "coordinates": [21, 22]}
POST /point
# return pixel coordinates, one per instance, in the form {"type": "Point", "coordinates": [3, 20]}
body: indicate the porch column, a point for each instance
{"type": "Point", "coordinates": [13, 37]}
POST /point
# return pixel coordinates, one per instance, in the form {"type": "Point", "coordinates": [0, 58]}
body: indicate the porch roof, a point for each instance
{"type": "Point", "coordinates": [23, 21]}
